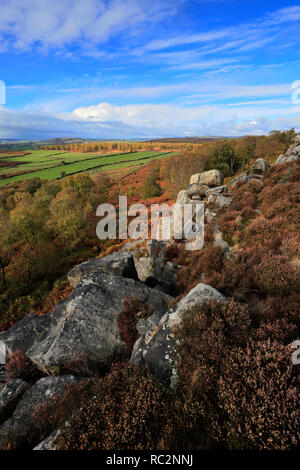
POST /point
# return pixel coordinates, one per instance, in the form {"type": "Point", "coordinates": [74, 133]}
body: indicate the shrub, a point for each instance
{"type": "Point", "coordinates": [151, 188]}
{"type": "Point", "coordinates": [262, 230]}
{"type": "Point", "coordinates": [276, 276]}
{"type": "Point", "coordinates": [281, 330]}
{"type": "Point", "coordinates": [19, 366]}
{"type": "Point", "coordinates": [277, 307]}
{"type": "Point", "coordinates": [128, 411]}
{"type": "Point", "coordinates": [206, 262]}
{"type": "Point", "coordinates": [290, 245]}
{"type": "Point", "coordinates": [258, 393]}
{"type": "Point", "coordinates": [172, 252]}
{"type": "Point", "coordinates": [237, 276]}
{"type": "Point", "coordinates": [78, 366]}
{"type": "Point", "coordinates": [49, 415]}
{"type": "Point", "coordinates": [132, 310]}
{"type": "Point", "coordinates": [289, 172]}
{"type": "Point", "coordinates": [205, 338]}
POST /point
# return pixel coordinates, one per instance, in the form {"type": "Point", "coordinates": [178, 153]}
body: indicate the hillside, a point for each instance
{"type": "Point", "coordinates": [153, 346]}
{"type": "Point", "coordinates": [186, 140]}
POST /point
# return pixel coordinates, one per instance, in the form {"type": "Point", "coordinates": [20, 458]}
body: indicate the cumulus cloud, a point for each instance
{"type": "Point", "coordinates": [172, 116]}
{"type": "Point", "coordinates": [28, 125]}
{"type": "Point", "coordinates": [105, 121]}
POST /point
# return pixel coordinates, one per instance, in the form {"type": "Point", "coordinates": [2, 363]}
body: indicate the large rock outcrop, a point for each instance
{"type": "Point", "coordinates": [245, 178]}
{"type": "Point", "coordinates": [260, 166]}
{"type": "Point", "coordinates": [157, 347]}
{"type": "Point", "coordinates": [218, 190]}
{"type": "Point", "coordinates": [9, 395]}
{"type": "Point", "coordinates": [20, 424]}
{"type": "Point", "coordinates": [183, 197]}
{"type": "Point", "coordinates": [197, 191]}
{"type": "Point", "coordinates": [219, 200]}
{"type": "Point", "coordinates": [118, 264]}
{"type": "Point", "coordinates": [293, 152]}
{"type": "Point", "coordinates": [85, 323]}
{"type": "Point", "coordinates": [154, 269]}
{"type": "Point", "coordinates": [210, 178]}
{"type": "Point", "coordinates": [2, 353]}
{"type": "Point", "coordinates": [49, 442]}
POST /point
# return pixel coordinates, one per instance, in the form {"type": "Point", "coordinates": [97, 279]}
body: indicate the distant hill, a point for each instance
{"type": "Point", "coordinates": [182, 140]}
{"type": "Point", "coordinates": [11, 144]}
{"type": "Point", "coordinates": [16, 144]}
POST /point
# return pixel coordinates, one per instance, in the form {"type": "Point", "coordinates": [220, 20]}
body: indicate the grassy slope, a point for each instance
{"type": "Point", "coordinates": [34, 164]}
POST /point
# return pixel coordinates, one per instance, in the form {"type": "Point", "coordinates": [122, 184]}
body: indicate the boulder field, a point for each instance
{"type": "Point", "coordinates": [87, 322]}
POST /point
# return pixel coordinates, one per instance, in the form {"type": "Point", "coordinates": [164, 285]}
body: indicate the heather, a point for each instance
{"type": "Point", "coordinates": [235, 386]}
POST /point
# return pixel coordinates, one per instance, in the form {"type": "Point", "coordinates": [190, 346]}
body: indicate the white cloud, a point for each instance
{"type": "Point", "coordinates": [209, 90]}
{"type": "Point", "coordinates": [149, 115]}
{"type": "Point", "coordinates": [159, 44]}
{"type": "Point", "coordinates": [145, 121]}
{"type": "Point", "coordinates": [283, 15]}
{"type": "Point", "coordinates": [49, 24]}
{"type": "Point", "coordinates": [206, 64]}
{"type": "Point", "coordinates": [240, 38]}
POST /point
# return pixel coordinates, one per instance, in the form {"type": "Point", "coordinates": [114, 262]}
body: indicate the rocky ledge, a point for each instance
{"type": "Point", "coordinates": [87, 323]}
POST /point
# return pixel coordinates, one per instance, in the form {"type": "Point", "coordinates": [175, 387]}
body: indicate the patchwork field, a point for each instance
{"type": "Point", "coordinates": [50, 164]}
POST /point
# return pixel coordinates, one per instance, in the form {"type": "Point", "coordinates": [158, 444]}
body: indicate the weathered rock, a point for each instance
{"type": "Point", "coordinates": [210, 178]}
{"type": "Point", "coordinates": [85, 323]}
{"type": "Point", "coordinates": [284, 159]}
{"type": "Point", "coordinates": [296, 150]}
{"type": "Point", "coordinates": [218, 190]}
{"type": "Point", "coordinates": [156, 249]}
{"type": "Point", "coordinates": [292, 158]}
{"type": "Point", "coordinates": [197, 191]}
{"type": "Point", "coordinates": [158, 273]}
{"type": "Point", "coordinates": [155, 270]}
{"type": "Point", "coordinates": [245, 178]}
{"type": "Point", "coordinates": [260, 166]}
{"type": "Point", "coordinates": [240, 179]}
{"type": "Point", "coordinates": [220, 242]}
{"type": "Point", "coordinates": [297, 139]}
{"type": "Point", "coordinates": [49, 442]}
{"type": "Point", "coordinates": [211, 216]}
{"type": "Point", "coordinates": [219, 201]}
{"type": "Point", "coordinates": [280, 159]}
{"type": "Point", "coordinates": [157, 348]}
{"type": "Point", "coordinates": [9, 396]}
{"type": "Point", "coordinates": [119, 264]}
{"type": "Point", "coordinates": [183, 198]}
{"type": "Point", "coordinates": [3, 353]}
{"type": "Point", "coordinates": [3, 375]}
{"type": "Point", "coordinates": [292, 153]}
{"type": "Point", "coordinates": [19, 425]}
{"type": "Point", "coordinates": [144, 267]}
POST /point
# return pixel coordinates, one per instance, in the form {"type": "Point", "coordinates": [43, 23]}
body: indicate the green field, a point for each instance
{"type": "Point", "coordinates": [50, 165]}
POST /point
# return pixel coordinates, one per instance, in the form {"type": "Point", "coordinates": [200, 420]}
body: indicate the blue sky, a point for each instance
{"type": "Point", "coordinates": [145, 68]}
